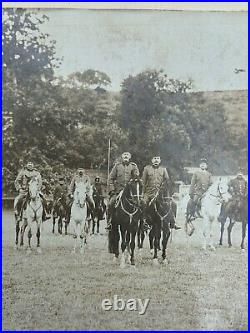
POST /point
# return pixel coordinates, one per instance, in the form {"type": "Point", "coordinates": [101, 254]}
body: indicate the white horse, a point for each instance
{"type": "Point", "coordinates": [33, 213]}
{"type": "Point", "coordinates": [210, 210]}
{"type": "Point", "coordinates": [78, 216]}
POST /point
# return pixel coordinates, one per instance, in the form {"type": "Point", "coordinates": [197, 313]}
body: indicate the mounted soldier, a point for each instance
{"type": "Point", "coordinates": [98, 192]}
{"type": "Point", "coordinates": [120, 175]}
{"type": "Point", "coordinates": [237, 187]}
{"type": "Point", "coordinates": [22, 186]}
{"type": "Point", "coordinates": [81, 177]}
{"type": "Point", "coordinates": [201, 181]}
{"type": "Point", "coordinates": [154, 175]}
{"type": "Point", "coordinates": [60, 193]}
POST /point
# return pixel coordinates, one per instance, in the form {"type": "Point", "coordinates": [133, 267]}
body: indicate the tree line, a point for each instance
{"type": "Point", "coordinates": [68, 121]}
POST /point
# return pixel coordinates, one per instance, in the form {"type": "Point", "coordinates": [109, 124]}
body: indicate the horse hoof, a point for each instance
{"type": "Point", "coordinates": [15, 247]}
{"type": "Point", "coordinates": [132, 262]}
{"type": "Point", "coordinates": [212, 248]}
{"type": "Point", "coordinates": [151, 251]}
{"type": "Point", "coordinates": [242, 250]}
{"type": "Point", "coordinates": [39, 251]}
{"type": "Point", "coordinates": [165, 262]}
{"type": "Point", "coordinates": [229, 245]}
{"type": "Point", "coordinates": [204, 248]}
{"type": "Point", "coordinates": [155, 262]}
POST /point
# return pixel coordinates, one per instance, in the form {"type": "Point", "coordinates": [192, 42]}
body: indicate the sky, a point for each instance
{"type": "Point", "coordinates": [205, 47]}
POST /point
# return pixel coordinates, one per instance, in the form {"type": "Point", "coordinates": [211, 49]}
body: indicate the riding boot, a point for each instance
{"type": "Point", "coordinates": [174, 226]}
{"type": "Point", "coordinates": [109, 220]}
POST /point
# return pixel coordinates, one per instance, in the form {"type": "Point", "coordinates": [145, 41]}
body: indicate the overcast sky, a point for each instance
{"type": "Point", "coordinates": [206, 47]}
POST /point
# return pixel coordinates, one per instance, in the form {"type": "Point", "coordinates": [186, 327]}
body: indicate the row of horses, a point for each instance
{"type": "Point", "coordinates": [127, 223]}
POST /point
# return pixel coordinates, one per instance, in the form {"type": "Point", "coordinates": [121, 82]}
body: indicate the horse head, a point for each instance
{"type": "Point", "coordinates": [33, 189]}
{"type": "Point", "coordinates": [164, 193]}
{"type": "Point", "coordinates": [80, 194]}
{"type": "Point", "coordinates": [133, 191]}
{"type": "Point", "coordinates": [222, 190]}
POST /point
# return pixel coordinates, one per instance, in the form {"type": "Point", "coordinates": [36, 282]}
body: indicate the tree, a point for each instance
{"type": "Point", "coordinates": [89, 79]}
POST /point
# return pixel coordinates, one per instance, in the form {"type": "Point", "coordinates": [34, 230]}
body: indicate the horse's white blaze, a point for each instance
{"type": "Point", "coordinates": [138, 191]}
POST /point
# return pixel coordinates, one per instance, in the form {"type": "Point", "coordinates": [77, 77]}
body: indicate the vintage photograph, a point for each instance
{"type": "Point", "coordinates": [125, 169]}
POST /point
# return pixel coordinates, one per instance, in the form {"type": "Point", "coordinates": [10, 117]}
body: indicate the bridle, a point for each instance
{"type": "Point", "coordinates": [131, 203]}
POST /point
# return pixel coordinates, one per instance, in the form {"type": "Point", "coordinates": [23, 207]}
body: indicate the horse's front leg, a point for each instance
{"type": "Point", "coordinates": [151, 239]}
{"type": "Point", "coordinates": [165, 238]}
{"type": "Point", "coordinates": [98, 225]}
{"type": "Point", "coordinates": [54, 222]}
{"type": "Point", "coordinates": [123, 246]}
{"type": "Point", "coordinates": [156, 244]}
{"type": "Point", "coordinates": [205, 232]}
{"type": "Point", "coordinates": [17, 231]}
{"type": "Point", "coordinates": [244, 225]}
{"type": "Point", "coordinates": [59, 224]}
{"type": "Point", "coordinates": [75, 233]}
{"type": "Point", "coordinates": [222, 227]}
{"type": "Point", "coordinates": [211, 223]}
{"type": "Point", "coordinates": [229, 231]}
{"type": "Point", "coordinates": [132, 247]}
{"type": "Point", "coordinates": [23, 228]}
{"type": "Point", "coordinates": [38, 234]}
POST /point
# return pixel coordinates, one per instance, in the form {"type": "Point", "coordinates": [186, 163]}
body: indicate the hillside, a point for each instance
{"type": "Point", "coordinates": [235, 103]}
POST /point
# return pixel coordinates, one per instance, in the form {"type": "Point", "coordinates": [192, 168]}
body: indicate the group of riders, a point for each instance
{"type": "Point", "coordinates": [123, 172]}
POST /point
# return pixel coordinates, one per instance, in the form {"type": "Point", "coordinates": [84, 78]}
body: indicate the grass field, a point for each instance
{"type": "Point", "coordinates": [56, 290]}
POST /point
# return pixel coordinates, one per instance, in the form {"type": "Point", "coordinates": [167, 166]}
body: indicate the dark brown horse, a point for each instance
{"type": "Point", "coordinates": [98, 212]}
{"type": "Point", "coordinates": [126, 220]}
{"type": "Point", "coordinates": [236, 210]}
{"type": "Point", "coordinates": [162, 213]}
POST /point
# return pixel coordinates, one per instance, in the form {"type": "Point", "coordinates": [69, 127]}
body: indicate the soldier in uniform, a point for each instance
{"type": "Point", "coordinates": [201, 181]}
{"type": "Point", "coordinates": [79, 177]}
{"type": "Point", "coordinates": [118, 178]}
{"type": "Point", "coordinates": [152, 178]}
{"type": "Point", "coordinates": [98, 193]}
{"type": "Point", "coordinates": [237, 187]}
{"type": "Point", "coordinates": [22, 186]}
{"type": "Point", "coordinates": [60, 192]}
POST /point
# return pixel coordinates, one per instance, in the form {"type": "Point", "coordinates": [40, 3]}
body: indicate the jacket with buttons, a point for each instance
{"type": "Point", "coordinates": [152, 178]}
{"type": "Point", "coordinates": [120, 175]}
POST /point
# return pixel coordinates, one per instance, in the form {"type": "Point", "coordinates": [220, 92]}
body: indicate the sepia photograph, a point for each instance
{"type": "Point", "coordinates": [124, 168]}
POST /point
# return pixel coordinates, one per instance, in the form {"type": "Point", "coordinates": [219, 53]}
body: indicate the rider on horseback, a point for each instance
{"type": "Point", "coordinates": [79, 177]}
{"type": "Point", "coordinates": [237, 187]}
{"type": "Point", "coordinates": [98, 192]}
{"type": "Point", "coordinates": [201, 181]}
{"type": "Point", "coordinates": [22, 186]}
{"type": "Point", "coordinates": [118, 178]}
{"type": "Point", "coordinates": [59, 194]}
{"type": "Point", "coordinates": [152, 178]}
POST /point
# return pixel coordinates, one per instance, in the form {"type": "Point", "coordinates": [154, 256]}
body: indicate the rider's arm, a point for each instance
{"type": "Point", "coordinates": [39, 179]}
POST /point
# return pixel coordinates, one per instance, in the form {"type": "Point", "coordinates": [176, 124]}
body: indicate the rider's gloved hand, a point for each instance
{"type": "Point", "coordinates": [71, 196]}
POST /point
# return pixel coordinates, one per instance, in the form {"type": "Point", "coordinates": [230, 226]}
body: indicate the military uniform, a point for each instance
{"type": "Point", "coordinates": [81, 179]}
{"type": "Point", "coordinates": [120, 175]}
{"type": "Point", "coordinates": [152, 178]}
{"type": "Point", "coordinates": [22, 186]}
{"type": "Point", "coordinates": [201, 181]}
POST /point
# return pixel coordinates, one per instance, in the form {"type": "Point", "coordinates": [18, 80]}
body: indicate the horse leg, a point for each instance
{"type": "Point", "coordinates": [165, 238]}
{"type": "Point", "coordinates": [29, 239]}
{"type": "Point", "coordinates": [75, 237]}
{"type": "Point", "coordinates": [38, 234]}
{"type": "Point", "coordinates": [127, 245]}
{"type": "Point", "coordinates": [98, 225]}
{"type": "Point", "coordinates": [17, 232]}
{"type": "Point", "coordinates": [54, 222]}
{"type": "Point", "coordinates": [24, 226]}
{"type": "Point", "coordinates": [211, 246]}
{"type": "Point", "coordinates": [222, 227]}
{"type": "Point", "coordinates": [205, 232]}
{"type": "Point", "coordinates": [132, 248]}
{"type": "Point", "coordinates": [156, 245]}
{"type": "Point", "coordinates": [244, 225]}
{"type": "Point", "coordinates": [60, 225]}
{"type": "Point", "coordinates": [229, 231]}
{"type": "Point", "coordinates": [123, 246]}
{"type": "Point", "coordinates": [151, 239]}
